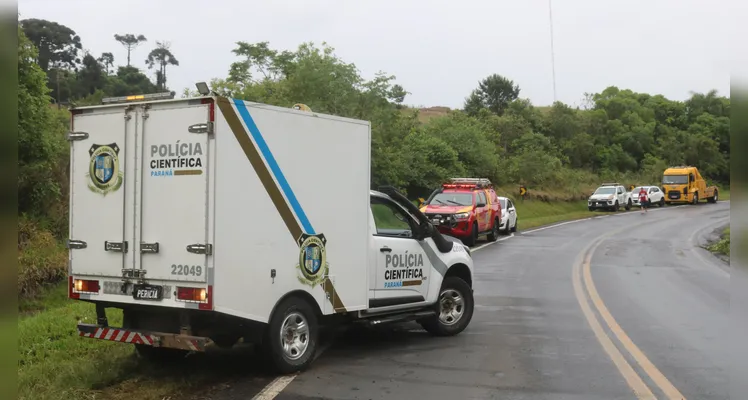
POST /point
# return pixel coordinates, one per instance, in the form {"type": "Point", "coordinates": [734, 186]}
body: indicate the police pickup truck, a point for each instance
{"type": "Point", "coordinates": [210, 221]}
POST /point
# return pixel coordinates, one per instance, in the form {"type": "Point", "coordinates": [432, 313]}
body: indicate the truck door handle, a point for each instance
{"type": "Point", "coordinates": [385, 249]}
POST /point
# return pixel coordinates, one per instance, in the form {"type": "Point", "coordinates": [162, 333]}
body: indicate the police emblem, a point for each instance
{"type": "Point", "coordinates": [312, 259]}
{"type": "Point", "coordinates": [104, 172]}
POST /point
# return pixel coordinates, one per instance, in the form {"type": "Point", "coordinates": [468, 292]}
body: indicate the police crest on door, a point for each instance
{"type": "Point", "coordinates": [104, 171]}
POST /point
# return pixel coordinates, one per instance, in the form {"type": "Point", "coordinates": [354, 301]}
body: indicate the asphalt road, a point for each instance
{"type": "Point", "coordinates": [623, 306]}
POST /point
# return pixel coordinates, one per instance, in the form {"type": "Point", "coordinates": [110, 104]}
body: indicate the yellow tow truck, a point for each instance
{"type": "Point", "coordinates": [684, 184]}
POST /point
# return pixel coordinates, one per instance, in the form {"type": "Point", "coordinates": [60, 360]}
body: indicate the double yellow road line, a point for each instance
{"type": "Point", "coordinates": [586, 293]}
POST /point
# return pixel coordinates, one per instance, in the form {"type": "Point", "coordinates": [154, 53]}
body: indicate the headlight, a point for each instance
{"type": "Point", "coordinates": [460, 216]}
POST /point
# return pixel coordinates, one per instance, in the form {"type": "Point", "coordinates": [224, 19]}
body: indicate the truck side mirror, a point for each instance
{"type": "Point", "coordinates": [479, 205]}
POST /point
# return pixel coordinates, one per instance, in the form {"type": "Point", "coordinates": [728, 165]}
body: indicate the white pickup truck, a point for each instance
{"type": "Point", "coordinates": [610, 196]}
{"type": "Point", "coordinates": [212, 220]}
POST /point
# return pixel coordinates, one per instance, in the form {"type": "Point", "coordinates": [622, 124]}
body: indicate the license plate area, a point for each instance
{"type": "Point", "coordinates": [147, 292]}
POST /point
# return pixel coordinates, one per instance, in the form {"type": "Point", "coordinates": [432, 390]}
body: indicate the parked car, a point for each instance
{"type": "Point", "coordinates": [610, 196]}
{"type": "Point", "coordinates": [508, 216]}
{"type": "Point", "coordinates": [654, 195]}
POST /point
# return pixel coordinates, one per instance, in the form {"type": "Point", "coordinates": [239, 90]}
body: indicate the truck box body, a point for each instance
{"type": "Point", "coordinates": [246, 201]}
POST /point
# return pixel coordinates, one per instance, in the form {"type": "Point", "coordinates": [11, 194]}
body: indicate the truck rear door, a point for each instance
{"type": "Point", "coordinates": [173, 199]}
{"type": "Point", "coordinates": [100, 159]}
{"type": "Point", "coordinates": [139, 191]}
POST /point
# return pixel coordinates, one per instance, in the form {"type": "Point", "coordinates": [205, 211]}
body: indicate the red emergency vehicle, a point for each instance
{"type": "Point", "coordinates": [465, 208]}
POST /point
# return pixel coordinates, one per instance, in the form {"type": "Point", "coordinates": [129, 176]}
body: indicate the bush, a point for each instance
{"type": "Point", "coordinates": [42, 259]}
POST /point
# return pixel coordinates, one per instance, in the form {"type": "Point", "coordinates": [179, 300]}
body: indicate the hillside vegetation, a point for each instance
{"type": "Point", "coordinates": [559, 153]}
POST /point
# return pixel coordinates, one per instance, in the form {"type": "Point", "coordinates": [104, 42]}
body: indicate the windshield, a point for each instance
{"type": "Point", "coordinates": [636, 189]}
{"type": "Point", "coordinates": [453, 199]}
{"type": "Point", "coordinates": [605, 190]}
{"type": "Point", "coordinates": [675, 179]}
{"type": "Point", "coordinates": [503, 203]}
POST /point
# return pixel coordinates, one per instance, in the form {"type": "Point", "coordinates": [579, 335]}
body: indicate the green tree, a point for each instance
{"type": "Point", "coordinates": [107, 61]}
{"type": "Point", "coordinates": [130, 42]}
{"type": "Point", "coordinates": [495, 93]}
{"type": "Point", "coordinates": [57, 45]}
{"type": "Point", "coordinates": [41, 145]}
{"type": "Point", "coordinates": [162, 57]}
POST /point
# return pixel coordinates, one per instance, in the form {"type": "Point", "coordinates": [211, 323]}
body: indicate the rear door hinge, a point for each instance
{"type": "Point", "coordinates": [76, 244]}
{"type": "Point", "coordinates": [206, 249]}
{"type": "Point", "coordinates": [71, 136]}
{"type": "Point", "coordinates": [207, 127]}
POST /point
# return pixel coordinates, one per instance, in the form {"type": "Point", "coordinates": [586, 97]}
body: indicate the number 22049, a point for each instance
{"type": "Point", "coordinates": [188, 270]}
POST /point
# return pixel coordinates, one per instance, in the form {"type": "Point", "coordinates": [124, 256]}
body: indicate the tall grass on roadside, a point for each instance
{"type": "Point", "coordinates": [42, 259]}
{"type": "Point", "coordinates": [723, 245]}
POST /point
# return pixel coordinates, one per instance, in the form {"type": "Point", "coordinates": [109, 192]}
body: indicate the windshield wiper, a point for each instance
{"type": "Point", "coordinates": [454, 202]}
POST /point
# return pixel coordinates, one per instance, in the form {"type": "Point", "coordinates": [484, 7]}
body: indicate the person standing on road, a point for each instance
{"type": "Point", "coordinates": [643, 200]}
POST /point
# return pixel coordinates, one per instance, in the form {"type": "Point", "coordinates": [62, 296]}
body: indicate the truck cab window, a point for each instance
{"type": "Point", "coordinates": [390, 220]}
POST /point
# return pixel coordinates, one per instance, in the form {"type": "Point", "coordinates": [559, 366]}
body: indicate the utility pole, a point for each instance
{"type": "Point", "coordinates": [553, 55]}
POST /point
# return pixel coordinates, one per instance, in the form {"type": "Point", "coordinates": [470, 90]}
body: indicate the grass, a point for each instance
{"type": "Point", "coordinates": [723, 245]}
{"type": "Point", "coordinates": [55, 363]}
{"type": "Point", "coordinates": [533, 213]}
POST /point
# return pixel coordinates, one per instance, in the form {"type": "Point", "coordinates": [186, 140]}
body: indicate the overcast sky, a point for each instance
{"type": "Point", "coordinates": [438, 49]}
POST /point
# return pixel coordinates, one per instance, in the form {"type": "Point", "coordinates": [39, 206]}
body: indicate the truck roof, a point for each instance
{"type": "Point", "coordinates": [683, 169]}
{"type": "Point", "coordinates": [215, 98]}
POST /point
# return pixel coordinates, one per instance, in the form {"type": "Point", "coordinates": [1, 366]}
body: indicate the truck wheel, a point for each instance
{"type": "Point", "coordinates": [159, 354]}
{"type": "Point", "coordinates": [662, 202]}
{"type": "Point", "coordinates": [628, 205]}
{"type": "Point", "coordinates": [470, 241]}
{"type": "Point", "coordinates": [616, 207]}
{"type": "Point", "coordinates": [714, 198]}
{"type": "Point", "coordinates": [454, 308]}
{"type": "Point", "coordinates": [494, 235]}
{"type": "Point", "coordinates": [696, 198]}
{"type": "Point", "coordinates": [291, 336]}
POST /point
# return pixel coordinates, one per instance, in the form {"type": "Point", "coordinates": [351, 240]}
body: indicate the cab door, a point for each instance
{"type": "Point", "coordinates": [482, 211]}
{"type": "Point", "coordinates": [402, 266]}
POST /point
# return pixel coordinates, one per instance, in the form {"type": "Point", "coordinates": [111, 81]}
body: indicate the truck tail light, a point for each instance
{"type": "Point", "coordinates": [78, 286]}
{"type": "Point", "coordinates": [203, 296]}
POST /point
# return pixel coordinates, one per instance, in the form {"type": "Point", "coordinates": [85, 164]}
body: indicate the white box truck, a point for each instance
{"type": "Point", "coordinates": [210, 221]}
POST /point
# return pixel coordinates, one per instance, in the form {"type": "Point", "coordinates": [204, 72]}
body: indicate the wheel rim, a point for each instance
{"type": "Point", "coordinates": [451, 307]}
{"type": "Point", "coordinates": [294, 336]}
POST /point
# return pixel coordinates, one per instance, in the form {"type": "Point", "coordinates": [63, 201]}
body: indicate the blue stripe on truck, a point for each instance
{"type": "Point", "coordinates": [274, 168]}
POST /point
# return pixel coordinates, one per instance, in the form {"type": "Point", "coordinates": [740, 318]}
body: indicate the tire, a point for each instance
{"type": "Point", "coordinates": [446, 322]}
{"type": "Point", "coordinates": [616, 207]}
{"type": "Point", "coordinates": [590, 208]}
{"type": "Point", "coordinates": [628, 205]}
{"type": "Point", "coordinates": [470, 241]}
{"type": "Point", "coordinates": [287, 324]}
{"type": "Point", "coordinates": [714, 198]}
{"type": "Point", "coordinates": [159, 355]}
{"type": "Point", "coordinates": [494, 235]}
{"type": "Point", "coordinates": [695, 198]}
{"type": "Point", "coordinates": [662, 202]}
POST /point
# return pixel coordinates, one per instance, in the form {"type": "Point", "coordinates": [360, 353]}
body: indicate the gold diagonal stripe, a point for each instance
{"type": "Point", "coordinates": [271, 188]}
{"type": "Point", "coordinates": [260, 168]}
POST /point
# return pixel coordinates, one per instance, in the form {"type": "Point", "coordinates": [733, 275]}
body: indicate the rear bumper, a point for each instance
{"type": "Point", "coordinates": [133, 336]}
